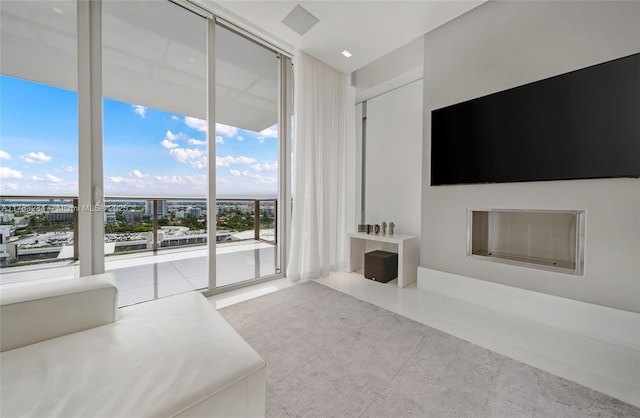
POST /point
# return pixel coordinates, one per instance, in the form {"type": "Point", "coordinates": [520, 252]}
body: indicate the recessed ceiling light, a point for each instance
{"type": "Point", "coordinates": [346, 53]}
{"type": "Point", "coordinates": [55, 9]}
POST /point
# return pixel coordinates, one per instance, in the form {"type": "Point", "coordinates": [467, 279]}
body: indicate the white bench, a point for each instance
{"type": "Point", "coordinates": [68, 351]}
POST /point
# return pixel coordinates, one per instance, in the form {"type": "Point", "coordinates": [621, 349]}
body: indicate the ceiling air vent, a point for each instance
{"type": "Point", "coordinates": [300, 20]}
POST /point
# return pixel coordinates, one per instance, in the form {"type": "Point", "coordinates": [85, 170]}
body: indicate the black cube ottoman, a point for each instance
{"type": "Point", "coordinates": [380, 266]}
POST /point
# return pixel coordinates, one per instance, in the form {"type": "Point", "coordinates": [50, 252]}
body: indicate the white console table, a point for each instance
{"type": "Point", "coordinates": [406, 246]}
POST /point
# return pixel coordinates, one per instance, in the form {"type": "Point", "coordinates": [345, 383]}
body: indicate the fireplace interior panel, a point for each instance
{"type": "Point", "coordinates": [550, 240]}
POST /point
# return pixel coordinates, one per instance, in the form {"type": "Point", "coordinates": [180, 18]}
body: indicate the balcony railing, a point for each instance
{"type": "Point", "coordinates": [45, 228]}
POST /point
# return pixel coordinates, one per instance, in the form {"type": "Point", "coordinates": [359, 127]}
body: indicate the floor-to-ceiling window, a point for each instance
{"type": "Point", "coordinates": [38, 133]}
{"type": "Point", "coordinates": [189, 112]}
{"type": "Point", "coordinates": [155, 147]}
{"type": "Point", "coordinates": [247, 159]}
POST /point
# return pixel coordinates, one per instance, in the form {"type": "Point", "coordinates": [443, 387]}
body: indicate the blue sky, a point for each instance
{"type": "Point", "coordinates": [147, 152]}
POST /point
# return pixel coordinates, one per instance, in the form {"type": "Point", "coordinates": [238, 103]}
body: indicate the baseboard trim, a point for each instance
{"type": "Point", "coordinates": [602, 323]}
{"type": "Point", "coordinates": [608, 358]}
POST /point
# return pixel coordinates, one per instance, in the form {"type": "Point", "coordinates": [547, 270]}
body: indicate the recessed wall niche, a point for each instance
{"type": "Point", "coordinates": [543, 239]}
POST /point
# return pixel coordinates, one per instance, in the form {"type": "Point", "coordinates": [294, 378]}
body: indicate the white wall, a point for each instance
{"type": "Point", "coordinates": [500, 45]}
{"type": "Point", "coordinates": [390, 71]}
{"type": "Point", "coordinates": [393, 158]}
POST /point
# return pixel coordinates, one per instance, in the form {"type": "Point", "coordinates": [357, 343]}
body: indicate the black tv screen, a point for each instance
{"type": "Point", "coordinates": [580, 125]}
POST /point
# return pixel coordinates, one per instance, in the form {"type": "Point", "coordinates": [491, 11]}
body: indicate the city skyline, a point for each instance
{"type": "Point", "coordinates": [147, 152]}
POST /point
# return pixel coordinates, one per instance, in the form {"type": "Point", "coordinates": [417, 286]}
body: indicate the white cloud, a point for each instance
{"type": "Point", "coordinates": [199, 164]}
{"type": "Point", "coordinates": [219, 139]}
{"type": "Point", "coordinates": [270, 132]}
{"type": "Point", "coordinates": [4, 155]}
{"type": "Point", "coordinates": [140, 110]}
{"type": "Point", "coordinates": [226, 130]}
{"type": "Point", "coordinates": [168, 144]}
{"type": "Point", "coordinates": [172, 137]}
{"type": "Point", "coordinates": [244, 160]}
{"type": "Point", "coordinates": [68, 169]}
{"type": "Point", "coordinates": [239, 138]}
{"type": "Point", "coordinates": [228, 160]}
{"type": "Point", "coordinates": [12, 186]}
{"type": "Point", "coordinates": [260, 179]}
{"type": "Point", "coordinates": [126, 182]}
{"type": "Point", "coordinates": [53, 179]}
{"type": "Point", "coordinates": [170, 140]}
{"type": "Point", "coordinates": [221, 129]}
{"type": "Point", "coordinates": [8, 173]}
{"type": "Point", "coordinates": [35, 178]}
{"type": "Point", "coordinates": [195, 123]}
{"type": "Point", "coordinates": [174, 117]}
{"type": "Point", "coordinates": [185, 154]}
{"type": "Point", "coordinates": [197, 180]}
{"type": "Point", "coordinates": [172, 179]}
{"type": "Point", "coordinates": [265, 167]}
{"type": "Point", "coordinates": [138, 174]}
{"type": "Point", "coordinates": [36, 157]}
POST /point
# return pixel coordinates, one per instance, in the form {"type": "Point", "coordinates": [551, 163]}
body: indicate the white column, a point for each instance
{"type": "Point", "coordinates": [90, 202]}
{"type": "Point", "coordinates": [285, 110]}
{"type": "Point", "coordinates": [211, 150]}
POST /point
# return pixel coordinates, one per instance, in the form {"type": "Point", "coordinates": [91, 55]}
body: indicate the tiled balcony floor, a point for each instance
{"type": "Point", "coordinates": [146, 276]}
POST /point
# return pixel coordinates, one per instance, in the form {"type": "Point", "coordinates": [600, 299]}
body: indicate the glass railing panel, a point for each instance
{"type": "Point", "coordinates": [43, 228]}
{"type": "Point", "coordinates": [37, 229]}
{"type": "Point", "coordinates": [154, 224]}
{"type": "Point", "coordinates": [183, 223]}
{"type": "Point", "coordinates": [127, 227]}
{"type": "Point", "coordinates": [268, 214]}
{"type": "Point", "coordinates": [236, 220]}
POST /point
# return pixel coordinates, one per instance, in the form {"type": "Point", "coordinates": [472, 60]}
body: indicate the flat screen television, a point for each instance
{"type": "Point", "coordinates": [579, 125]}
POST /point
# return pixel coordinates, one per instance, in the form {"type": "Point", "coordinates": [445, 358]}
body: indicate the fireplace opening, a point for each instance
{"type": "Point", "coordinates": [544, 239]}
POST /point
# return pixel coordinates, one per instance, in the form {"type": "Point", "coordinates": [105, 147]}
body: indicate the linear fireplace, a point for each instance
{"type": "Point", "coordinates": [544, 239]}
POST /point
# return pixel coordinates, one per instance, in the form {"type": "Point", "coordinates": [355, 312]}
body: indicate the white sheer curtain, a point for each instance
{"type": "Point", "coordinates": [323, 168]}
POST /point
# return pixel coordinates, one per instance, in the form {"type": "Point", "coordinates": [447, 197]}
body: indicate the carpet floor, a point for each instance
{"type": "Point", "coordinates": [331, 355]}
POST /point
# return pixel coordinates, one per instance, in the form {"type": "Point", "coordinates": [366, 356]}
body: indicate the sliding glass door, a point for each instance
{"type": "Point", "coordinates": [155, 148]}
{"type": "Point", "coordinates": [247, 162]}
{"type": "Point", "coordinates": [38, 139]}
{"type": "Point", "coordinates": [158, 135]}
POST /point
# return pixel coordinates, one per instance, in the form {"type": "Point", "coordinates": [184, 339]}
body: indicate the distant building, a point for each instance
{"type": "Point", "coordinates": [21, 220]}
{"type": "Point", "coordinates": [60, 216]}
{"type": "Point", "coordinates": [5, 232]}
{"type": "Point", "coordinates": [162, 208]}
{"type": "Point", "coordinates": [196, 212]}
{"type": "Point", "coordinates": [109, 217]}
{"type": "Point", "coordinates": [180, 214]}
{"type": "Point", "coordinates": [132, 216]}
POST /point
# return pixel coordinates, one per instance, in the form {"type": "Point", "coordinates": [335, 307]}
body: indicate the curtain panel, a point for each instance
{"type": "Point", "coordinates": [323, 169]}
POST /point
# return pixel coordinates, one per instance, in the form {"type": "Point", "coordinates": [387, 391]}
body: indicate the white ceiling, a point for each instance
{"type": "Point", "coordinates": [153, 55]}
{"type": "Point", "coordinates": [368, 29]}
{"type": "Point", "coordinates": [152, 44]}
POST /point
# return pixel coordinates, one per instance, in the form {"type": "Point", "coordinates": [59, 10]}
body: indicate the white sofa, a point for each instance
{"type": "Point", "coordinates": [67, 351]}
